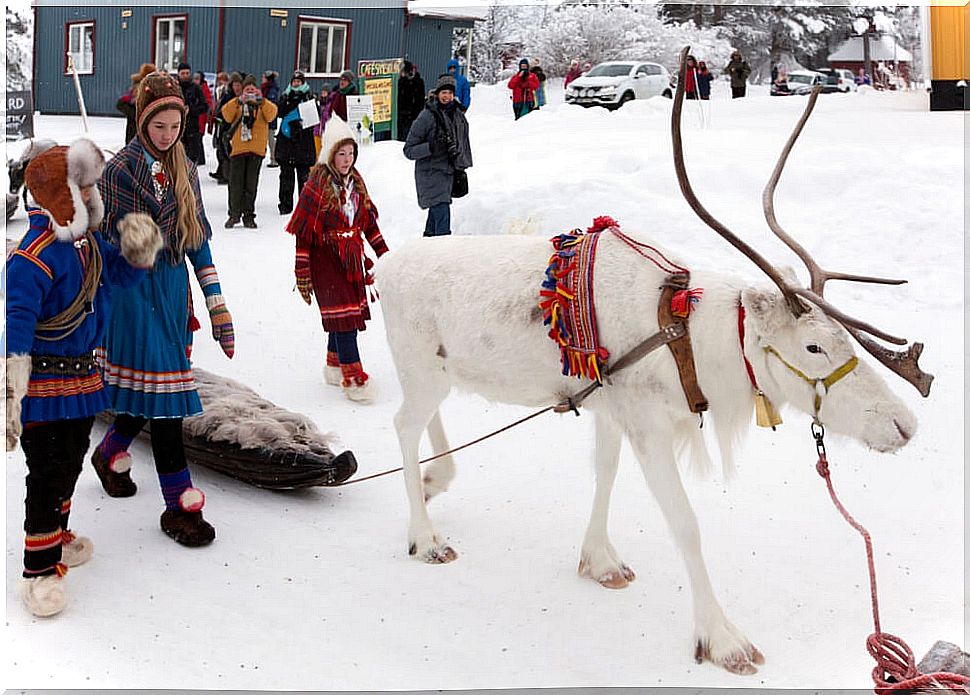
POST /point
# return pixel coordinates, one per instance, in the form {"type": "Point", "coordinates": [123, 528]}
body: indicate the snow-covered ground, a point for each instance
{"type": "Point", "coordinates": [315, 590]}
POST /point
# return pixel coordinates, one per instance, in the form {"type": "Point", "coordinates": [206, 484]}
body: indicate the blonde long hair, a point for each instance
{"type": "Point", "coordinates": [191, 232]}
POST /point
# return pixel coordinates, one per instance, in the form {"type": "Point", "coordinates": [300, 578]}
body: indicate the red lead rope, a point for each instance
{"type": "Point", "coordinates": [895, 669]}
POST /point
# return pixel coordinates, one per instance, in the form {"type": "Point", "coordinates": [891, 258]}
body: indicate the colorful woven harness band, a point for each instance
{"type": "Point", "coordinates": [568, 306]}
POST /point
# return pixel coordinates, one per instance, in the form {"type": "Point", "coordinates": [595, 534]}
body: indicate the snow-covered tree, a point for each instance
{"type": "Point", "coordinates": [617, 32]}
{"type": "Point", "coordinates": [19, 53]}
{"type": "Point", "coordinates": [502, 36]}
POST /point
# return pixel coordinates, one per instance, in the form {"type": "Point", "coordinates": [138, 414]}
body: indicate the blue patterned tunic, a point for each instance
{"type": "Point", "coordinates": [44, 276]}
{"type": "Point", "coordinates": [149, 339]}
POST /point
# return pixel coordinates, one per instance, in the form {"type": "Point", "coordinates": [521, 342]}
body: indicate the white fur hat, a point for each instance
{"type": "Point", "coordinates": [55, 179]}
{"type": "Point", "coordinates": [335, 133]}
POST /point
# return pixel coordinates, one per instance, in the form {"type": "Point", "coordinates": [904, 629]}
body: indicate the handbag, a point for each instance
{"type": "Point", "coordinates": [459, 184]}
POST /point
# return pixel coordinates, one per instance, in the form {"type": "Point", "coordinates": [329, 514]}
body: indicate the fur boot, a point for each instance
{"type": "Point", "coordinates": [115, 475]}
{"type": "Point", "coordinates": [332, 376]}
{"type": "Point", "coordinates": [187, 528]}
{"type": "Point", "coordinates": [75, 550]}
{"type": "Point", "coordinates": [44, 596]}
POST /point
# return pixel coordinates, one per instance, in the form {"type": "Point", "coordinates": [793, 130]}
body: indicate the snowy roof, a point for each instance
{"type": "Point", "coordinates": [880, 48]}
{"type": "Point", "coordinates": [450, 9]}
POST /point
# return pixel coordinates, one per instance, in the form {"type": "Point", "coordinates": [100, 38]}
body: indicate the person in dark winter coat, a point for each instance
{"type": "Point", "coordinates": [333, 217]}
{"type": "Point", "coordinates": [438, 143]}
{"type": "Point", "coordinates": [411, 96]}
{"type": "Point", "coordinates": [60, 281]}
{"type": "Point", "coordinates": [704, 79]}
{"type": "Point", "coordinates": [271, 93]}
{"type": "Point", "coordinates": [126, 102]}
{"type": "Point", "coordinates": [463, 90]}
{"type": "Point", "coordinates": [220, 141]}
{"type": "Point", "coordinates": [295, 151]}
{"type": "Point", "coordinates": [197, 106]}
{"type": "Point", "coordinates": [346, 85]}
{"type": "Point", "coordinates": [523, 85]}
{"type": "Point", "coordinates": [738, 69]}
{"type": "Point", "coordinates": [145, 358]}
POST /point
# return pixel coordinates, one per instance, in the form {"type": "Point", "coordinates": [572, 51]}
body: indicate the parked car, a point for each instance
{"type": "Point", "coordinates": [799, 82]}
{"type": "Point", "coordinates": [838, 80]}
{"type": "Point", "coordinates": [613, 83]}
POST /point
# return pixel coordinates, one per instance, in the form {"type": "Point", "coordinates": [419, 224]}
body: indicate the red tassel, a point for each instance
{"type": "Point", "coordinates": [194, 324]}
{"type": "Point", "coordinates": [683, 301]}
{"type": "Point", "coordinates": [601, 223]}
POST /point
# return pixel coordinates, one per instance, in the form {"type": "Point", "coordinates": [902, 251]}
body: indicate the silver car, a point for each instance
{"type": "Point", "coordinates": [613, 83]}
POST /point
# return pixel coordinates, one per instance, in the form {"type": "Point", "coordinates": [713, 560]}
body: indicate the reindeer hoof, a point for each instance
{"type": "Point", "coordinates": [441, 555]}
{"type": "Point", "coordinates": [434, 555]}
{"type": "Point", "coordinates": [741, 663]}
{"type": "Point", "coordinates": [618, 577]}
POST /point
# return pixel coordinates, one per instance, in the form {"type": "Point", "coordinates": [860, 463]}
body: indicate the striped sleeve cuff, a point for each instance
{"type": "Point", "coordinates": [208, 280]}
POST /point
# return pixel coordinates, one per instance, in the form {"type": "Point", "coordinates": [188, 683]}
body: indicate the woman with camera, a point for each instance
{"type": "Point", "coordinates": [438, 143]}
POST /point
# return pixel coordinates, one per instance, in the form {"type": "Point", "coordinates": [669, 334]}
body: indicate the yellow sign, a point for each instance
{"type": "Point", "coordinates": [378, 68]}
{"type": "Point", "coordinates": [380, 90]}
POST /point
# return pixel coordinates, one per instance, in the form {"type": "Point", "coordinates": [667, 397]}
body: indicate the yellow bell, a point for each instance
{"type": "Point", "coordinates": [765, 413]}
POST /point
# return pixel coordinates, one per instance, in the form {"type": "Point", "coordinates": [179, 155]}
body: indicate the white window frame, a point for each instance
{"type": "Point", "coordinates": [82, 67]}
{"type": "Point", "coordinates": [317, 24]}
{"type": "Point", "coordinates": [175, 59]}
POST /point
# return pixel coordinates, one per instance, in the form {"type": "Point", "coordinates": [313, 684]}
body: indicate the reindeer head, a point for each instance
{"type": "Point", "coordinates": [809, 361]}
{"type": "Point", "coordinates": [804, 339]}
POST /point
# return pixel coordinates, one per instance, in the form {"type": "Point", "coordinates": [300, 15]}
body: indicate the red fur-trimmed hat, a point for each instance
{"type": "Point", "coordinates": [155, 93]}
{"type": "Point", "coordinates": [55, 179]}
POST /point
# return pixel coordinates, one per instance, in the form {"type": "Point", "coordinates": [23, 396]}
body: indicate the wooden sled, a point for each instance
{"type": "Point", "coordinates": [248, 438]}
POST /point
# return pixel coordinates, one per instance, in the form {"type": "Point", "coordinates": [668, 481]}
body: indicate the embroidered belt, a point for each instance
{"type": "Point", "coordinates": [62, 365]}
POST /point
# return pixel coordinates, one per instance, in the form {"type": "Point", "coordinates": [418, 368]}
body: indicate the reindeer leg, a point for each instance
{"type": "Point", "coordinates": [439, 473]}
{"type": "Point", "coordinates": [716, 639]}
{"type": "Point", "coordinates": [410, 421]}
{"type": "Point", "coordinates": [598, 559]}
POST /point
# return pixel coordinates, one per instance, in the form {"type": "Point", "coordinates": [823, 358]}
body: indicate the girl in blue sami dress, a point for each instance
{"type": "Point", "coordinates": [60, 280]}
{"type": "Point", "coordinates": [145, 362]}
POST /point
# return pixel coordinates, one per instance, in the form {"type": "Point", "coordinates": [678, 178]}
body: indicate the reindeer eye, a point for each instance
{"type": "Point", "coordinates": [813, 348]}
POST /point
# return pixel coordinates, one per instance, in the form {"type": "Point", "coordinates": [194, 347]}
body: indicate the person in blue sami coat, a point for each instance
{"type": "Point", "coordinates": [60, 281]}
{"type": "Point", "coordinates": [146, 365]}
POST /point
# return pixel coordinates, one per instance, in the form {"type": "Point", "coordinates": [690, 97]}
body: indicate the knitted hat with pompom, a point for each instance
{"type": "Point", "coordinates": [154, 94]}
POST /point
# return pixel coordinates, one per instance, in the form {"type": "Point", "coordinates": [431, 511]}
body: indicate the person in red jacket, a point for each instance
{"type": "Point", "coordinates": [690, 78]}
{"type": "Point", "coordinates": [523, 85]}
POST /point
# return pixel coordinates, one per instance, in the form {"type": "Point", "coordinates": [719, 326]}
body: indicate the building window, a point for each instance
{"type": "Point", "coordinates": [323, 46]}
{"type": "Point", "coordinates": [80, 47]}
{"type": "Point", "coordinates": [170, 41]}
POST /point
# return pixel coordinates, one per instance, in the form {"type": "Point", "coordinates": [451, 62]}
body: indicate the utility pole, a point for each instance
{"type": "Point", "coordinates": [866, 54]}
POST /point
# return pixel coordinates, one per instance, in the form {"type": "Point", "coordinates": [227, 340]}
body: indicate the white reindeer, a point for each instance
{"type": "Point", "coordinates": [443, 335]}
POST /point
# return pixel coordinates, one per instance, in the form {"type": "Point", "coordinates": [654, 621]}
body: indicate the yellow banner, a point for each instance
{"type": "Point", "coordinates": [380, 91]}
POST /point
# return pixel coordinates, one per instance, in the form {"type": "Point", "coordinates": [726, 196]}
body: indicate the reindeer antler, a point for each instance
{"type": "Point", "coordinates": [904, 364]}
{"type": "Point", "coordinates": [701, 211]}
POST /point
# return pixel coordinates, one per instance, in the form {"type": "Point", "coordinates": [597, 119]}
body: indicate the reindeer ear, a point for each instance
{"type": "Point", "coordinates": [767, 309]}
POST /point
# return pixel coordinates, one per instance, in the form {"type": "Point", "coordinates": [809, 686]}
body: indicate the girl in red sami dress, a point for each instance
{"type": "Point", "coordinates": [332, 218]}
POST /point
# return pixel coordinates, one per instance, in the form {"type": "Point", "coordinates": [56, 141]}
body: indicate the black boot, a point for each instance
{"type": "Point", "coordinates": [115, 484]}
{"type": "Point", "coordinates": [187, 528]}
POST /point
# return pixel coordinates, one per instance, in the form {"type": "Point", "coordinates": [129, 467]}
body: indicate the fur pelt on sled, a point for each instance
{"type": "Point", "coordinates": [235, 414]}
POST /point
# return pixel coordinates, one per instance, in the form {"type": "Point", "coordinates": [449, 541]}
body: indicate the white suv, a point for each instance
{"type": "Point", "coordinates": [614, 83]}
